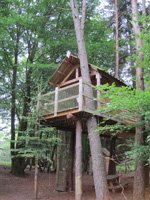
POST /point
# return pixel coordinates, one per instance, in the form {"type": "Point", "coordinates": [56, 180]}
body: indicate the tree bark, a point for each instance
{"type": "Point", "coordinates": [98, 166]}
{"type": "Point", "coordinates": [13, 97]}
{"type": "Point", "coordinates": [36, 178]}
{"type": "Point", "coordinates": [116, 41]}
{"type": "Point", "coordinates": [78, 162]}
{"type": "Point", "coordinates": [18, 163]}
{"type": "Point", "coordinates": [136, 29]}
{"type": "Point", "coordinates": [139, 177]}
{"type": "Point", "coordinates": [112, 164]}
{"type": "Point", "coordinates": [99, 174]}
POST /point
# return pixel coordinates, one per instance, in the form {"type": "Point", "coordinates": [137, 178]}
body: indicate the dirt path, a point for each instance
{"type": "Point", "coordinates": [18, 188]}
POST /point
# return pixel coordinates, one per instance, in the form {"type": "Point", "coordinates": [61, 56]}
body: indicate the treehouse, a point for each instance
{"type": "Point", "coordinates": [68, 98]}
{"type": "Point", "coordinates": [60, 108]}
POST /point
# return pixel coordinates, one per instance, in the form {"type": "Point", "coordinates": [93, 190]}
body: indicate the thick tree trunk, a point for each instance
{"type": "Point", "coordinates": [95, 144]}
{"type": "Point", "coordinates": [116, 41]}
{"type": "Point", "coordinates": [139, 178]}
{"type": "Point", "coordinates": [19, 164]}
{"type": "Point", "coordinates": [78, 162]}
{"type": "Point", "coordinates": [99, 173]}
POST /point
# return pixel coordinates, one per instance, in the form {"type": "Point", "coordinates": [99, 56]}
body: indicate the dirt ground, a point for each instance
{"type": "Point", "coordinates": [21, 188]}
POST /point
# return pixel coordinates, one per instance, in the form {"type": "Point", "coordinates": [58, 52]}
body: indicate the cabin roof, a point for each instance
{"type": "Point", "coordinates": [70, 64]}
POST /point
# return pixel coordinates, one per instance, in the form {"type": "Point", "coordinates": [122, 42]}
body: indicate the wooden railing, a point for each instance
{"type": "Point", "coordinates": [60, 100]}
{"type": "Point", "coordinates": [73, 98]}
{"type": "Point", "coordinates": [65, 99]}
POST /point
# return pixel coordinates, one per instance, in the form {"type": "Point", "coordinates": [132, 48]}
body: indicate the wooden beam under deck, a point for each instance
{"type": "Point", "coordinates": [65, 113]}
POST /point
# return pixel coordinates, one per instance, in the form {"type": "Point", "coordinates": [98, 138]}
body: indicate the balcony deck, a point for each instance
{"type": "Point", "coordinates": [56, 106]}
{"type": "Point", "coordinates": [69, 99]}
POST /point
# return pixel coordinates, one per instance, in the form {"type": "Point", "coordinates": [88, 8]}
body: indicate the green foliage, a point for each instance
{"type": "Point", "coordinates": [36, 140]}
{"type": "Point", "coordinates": [130, 108]}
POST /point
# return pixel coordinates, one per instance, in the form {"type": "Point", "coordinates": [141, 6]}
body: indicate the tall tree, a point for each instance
{"type": "Point", "coordinates": [95, 143]}
{"type": "Point", "coordinates": [139, 177]}
{"type": "Point", "coordinates": [116, 41]}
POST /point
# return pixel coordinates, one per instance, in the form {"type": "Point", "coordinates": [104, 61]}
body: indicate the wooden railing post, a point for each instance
{"type": "Point", "coordinates": [98, 82]}
{"type": "Point", "coordinates": [80, 94]}
{"type": "Point", "coordinates": [56, 102]}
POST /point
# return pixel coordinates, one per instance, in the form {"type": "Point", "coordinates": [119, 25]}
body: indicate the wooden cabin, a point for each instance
{"type": "Point", "coordinates": [68, 97]}
{"type": "Point", "coordinates": [56, 107]}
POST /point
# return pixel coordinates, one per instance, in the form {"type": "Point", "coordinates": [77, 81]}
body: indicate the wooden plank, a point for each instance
{"type": "Point", "coordinates": [69, 74]}
{"type": "Point", "coordinates": [68, 98]}
{"type": "Point", "coordinates": [77, 72]}
{"type": "Point", "coordinates": [56, 101]}
{"type": "Point", "coordinates": [80, 100]}
{"type": "Point", "coordinates": [69, 86]}
{"type": "Point", "coordinates": [98, 82]}
{"type": "Point", "coordinates": [69, 82]}
{"type": "Point", "coordinates": [78, 162]}
{"type": "Point", "coordinates": [59, 114]}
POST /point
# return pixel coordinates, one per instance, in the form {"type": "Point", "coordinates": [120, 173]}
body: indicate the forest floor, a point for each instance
{"type": "Point", "coordinates": [22, 188]}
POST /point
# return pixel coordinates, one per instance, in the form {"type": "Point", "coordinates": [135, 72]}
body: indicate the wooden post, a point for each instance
{"type": "Point", "coordinates": [77, 72]}
{"type": "Point", "coordinates": [80, 94]}
{"type": "Point", "coordinates": [98, 82]}
{"type": "Point", "coordinates": [36, 177]}
{"type": "Point", "coordinates": [56, 102]}
{"type": "Point", "coordinates": [36, 168]}
{"type": "Point", "coordinates": [78, 162]}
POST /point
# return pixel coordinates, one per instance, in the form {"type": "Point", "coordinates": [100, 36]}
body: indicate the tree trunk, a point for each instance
{"type": "Point", "coordinates": [143, 8]}
{"type": "Point", "coordinates": [98, 166]}
{"type": "Point", "coordinates": [36, 178]}
{"type": "Point", "coordinates": [64, 162]}
{"type": "Point", "coordinates": [78, 162]}
{"type": "Point", "coordinates": [139, 178]}
{"type": "Point", "coordinates": [19, 164]}
{"type": "Point", "coordinates": [13, 98]}
{"type": "Point", "coordinates": [136, 29]}
{"type": "Point", "coordinates": [116, 41]}
{"type": "Point", "coordinates": [112, 164]}
{"type": "Point", "coordinates": [99, 174]}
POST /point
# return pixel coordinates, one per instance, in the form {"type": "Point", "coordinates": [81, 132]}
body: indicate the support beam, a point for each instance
{"type": "Point", "coordinates": [56, 102]}
{"type": "Point", "coordinates": [98, 82]}
{"type": "Point", "coordinates": [78, 162]}
{"type": "Point", "coordinates": [80, 99]}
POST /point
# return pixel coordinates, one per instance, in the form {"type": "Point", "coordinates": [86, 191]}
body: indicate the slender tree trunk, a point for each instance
{"type": "Point", "coordinates": [146, 168]}
{"type": "Point", "coordinates": [36, 178]}
{"type": "Point", "coordinates": [116, 41]}
{"type": "Point", "coordinates": [143, 7]}
{"type": "Point", "coordinates": [13, 98]}
{"type": "Point", "coordinates": [112, 164]}
{"type": "Point", "coordinates": [136, 29]}
{"type": "Point", "coordinates": [99, 174]}
{"type": "Point", "coordinates": [139, 177]}
{"type": "Point", "coordinates": [78, 162]}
